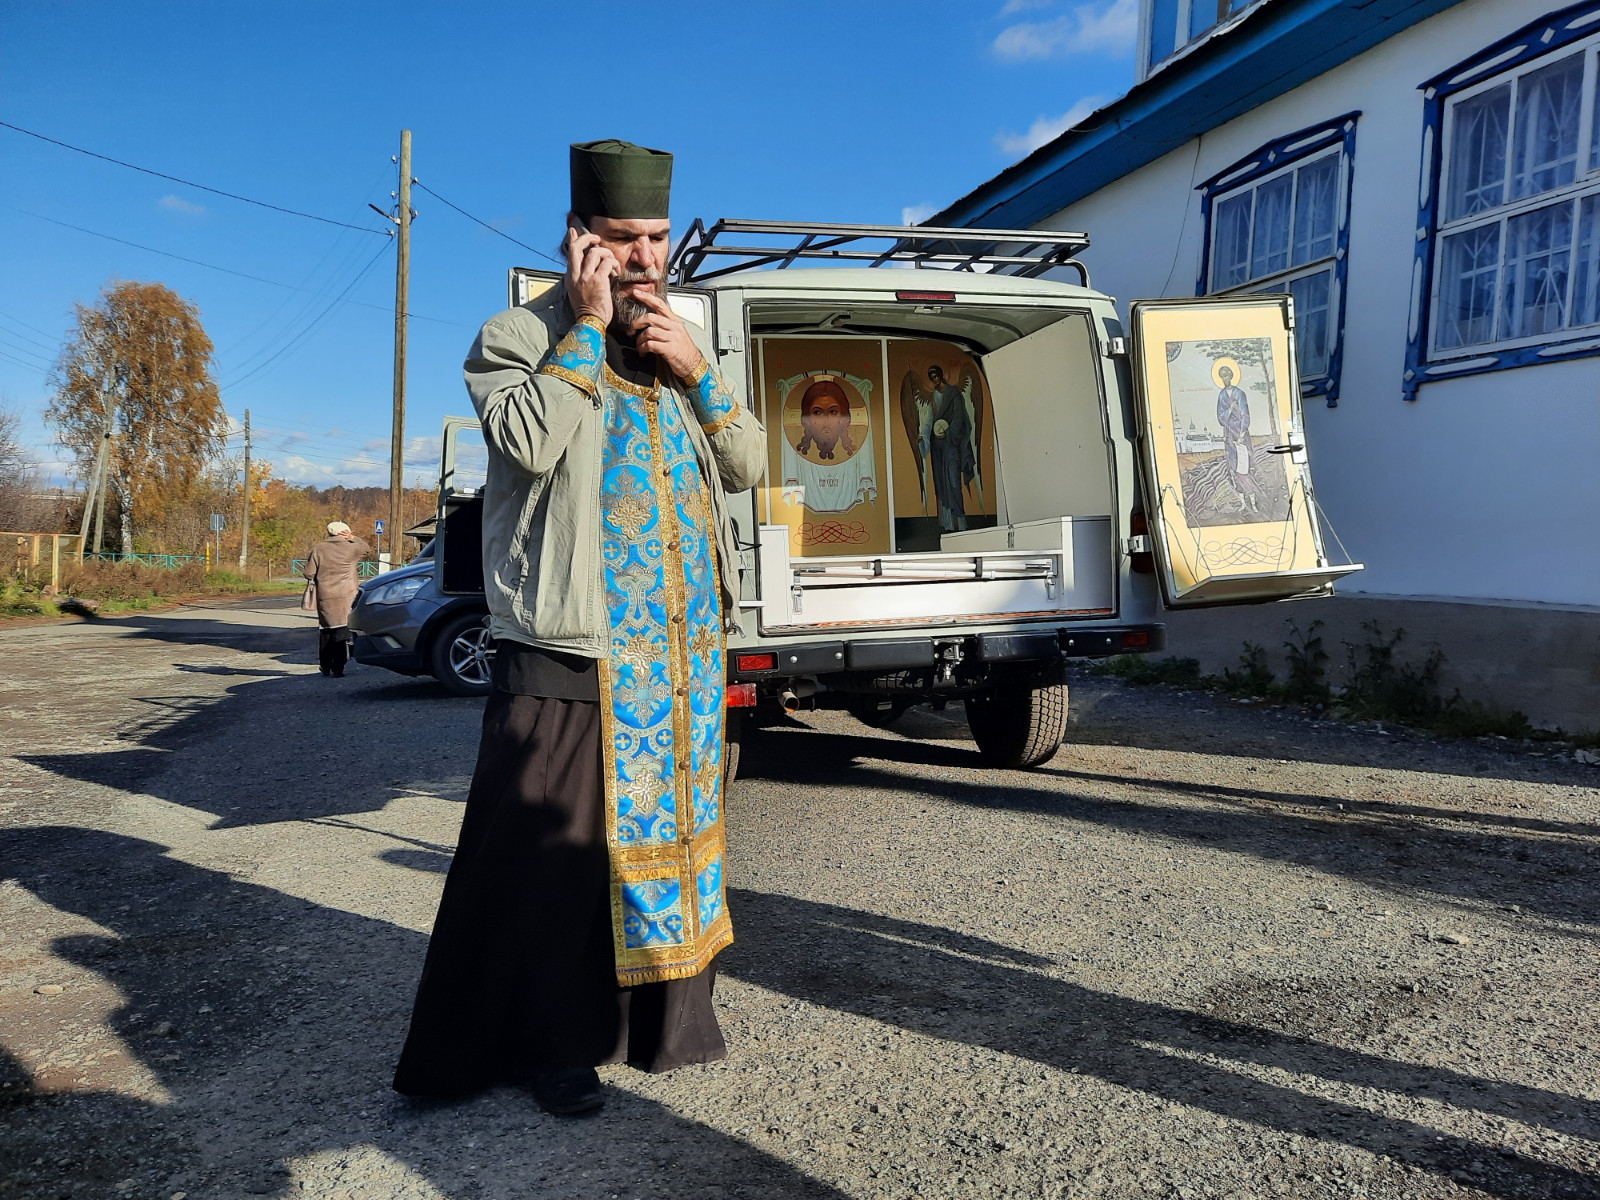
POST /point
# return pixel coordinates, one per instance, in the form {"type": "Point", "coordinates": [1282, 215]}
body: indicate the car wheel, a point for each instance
{"type": "Point", "coordinates": [1019, 726]}
{"type": "Point", "coordinates": [462, 657]}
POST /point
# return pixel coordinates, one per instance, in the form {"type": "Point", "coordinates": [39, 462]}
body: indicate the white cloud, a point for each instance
{"type": "Point", "coordinates": [178, 204]}
{"type": "Point", "coordinates": [299, 470]}
{"type": "Point", "coordinates": [366, 466]}
{"type": "Point", "coordinates": [1046, 129]}
{"type": "Point", "coordinates": [1016, 6]}
{"type": "Point", "coordinates": [1088, 29]}
{"type": "Point", "coordinates": [916, 214]}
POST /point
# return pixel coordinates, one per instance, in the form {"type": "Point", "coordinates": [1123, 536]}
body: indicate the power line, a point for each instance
{"type": "Point", "coordinates": [316, 294]}
{"type": "Point", "coordinates": [9, 343]}
{"type": "Point", "coordinates": [305, 312]}
{"type": "Point", "coordinates": [20, 363]}
{"type": "Point", "coordinates": [316, 321]}
{"type": "Point", "coordinates": [213, 266]}
{"type": "Point", "coordinates": [151, 249]}
{"type": "Point", "coordinates": [489, 227]}
{"type": "Point", "coordinates": [190, 183]}
{"type": "Point", "coordinates": [25, 325]}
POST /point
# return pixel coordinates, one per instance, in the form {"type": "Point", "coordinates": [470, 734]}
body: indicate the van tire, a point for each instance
{"type": "Point", "coordinates": [1018, 726]}
{"type": "Point", "coordinates": [462, 655]}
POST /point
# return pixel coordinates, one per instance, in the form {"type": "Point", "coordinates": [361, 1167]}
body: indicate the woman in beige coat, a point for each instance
{"type": "Point", "coordinates": [334, 576]}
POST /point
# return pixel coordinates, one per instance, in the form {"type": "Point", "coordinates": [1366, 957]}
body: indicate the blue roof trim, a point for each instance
{"type": "Point", "coordinates": [1269, 52]}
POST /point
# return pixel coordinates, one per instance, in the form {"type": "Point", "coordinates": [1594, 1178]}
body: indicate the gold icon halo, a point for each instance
{"type": "Point", "coordinates": [1216, 370]}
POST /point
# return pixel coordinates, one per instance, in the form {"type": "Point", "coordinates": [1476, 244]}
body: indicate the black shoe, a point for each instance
{"type": "Point", "coordinates": [326, 672]}
{"type": "Point", "coordinates": [568, 1093]}
{"type": "Point", "coordinates": [338, 674]}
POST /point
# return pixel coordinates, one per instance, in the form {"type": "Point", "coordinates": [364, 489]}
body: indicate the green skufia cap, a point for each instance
{"type": "Point", "coordinates": [621, 180]}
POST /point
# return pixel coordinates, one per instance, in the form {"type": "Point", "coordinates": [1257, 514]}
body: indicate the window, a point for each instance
{"type": "Point", "coordinates": [1173, 24]}
{"type": "Point", "coordinates": [1509, 214]}
{"type": "Point", "coordinates": [1275, 223]}
{"type": "Point", "coordinates": [1519, 208]}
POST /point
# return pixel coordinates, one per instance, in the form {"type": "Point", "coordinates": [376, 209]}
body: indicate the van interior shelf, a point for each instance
{"type": "Point", "coordinates": [778, 244]}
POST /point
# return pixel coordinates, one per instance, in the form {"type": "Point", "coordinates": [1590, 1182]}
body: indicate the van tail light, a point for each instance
{"type": "Point", "coordinates": [741, 695]}
{"type": "Point", "coordinates": [1143, 563]}
{"type": "Point", "coordinates": [927, 297]}
{"type": "Point", "coordinates": [1138, 640]}
{"type": "Point", "coordinates": [755, 662]}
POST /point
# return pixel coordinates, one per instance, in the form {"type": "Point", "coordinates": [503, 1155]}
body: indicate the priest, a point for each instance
{"type": "Point", "coordinates": [585, 906]}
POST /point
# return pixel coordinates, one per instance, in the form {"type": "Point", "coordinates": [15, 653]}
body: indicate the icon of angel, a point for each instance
{"type": "Point", "coordinates": [943, 421]}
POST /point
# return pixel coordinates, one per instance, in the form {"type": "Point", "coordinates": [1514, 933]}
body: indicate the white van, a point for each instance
{"type": "Point", "coordinates": [976, 472]}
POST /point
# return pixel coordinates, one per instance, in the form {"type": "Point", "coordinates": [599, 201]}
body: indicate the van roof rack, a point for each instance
{"type": "Point", "coordinates": [778, 244]}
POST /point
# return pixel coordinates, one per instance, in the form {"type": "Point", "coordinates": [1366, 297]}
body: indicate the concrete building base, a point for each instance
{"type": "Point", "coordinates": [1539, 660]}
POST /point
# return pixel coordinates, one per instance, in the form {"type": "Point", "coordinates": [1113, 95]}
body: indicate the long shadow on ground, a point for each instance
{"type": "Point", "coordinates": [1383, 846]}
{"type": "Point", "coordinates": [924, 979]}
{"type": "Point", "coordinates": [282, 745]}
{"type": "Point", "coordinates": [307, 1008]}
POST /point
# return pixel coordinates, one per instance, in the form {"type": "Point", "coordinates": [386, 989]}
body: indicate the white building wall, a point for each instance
{"type": "Point", "coordinates": [1484, 488]}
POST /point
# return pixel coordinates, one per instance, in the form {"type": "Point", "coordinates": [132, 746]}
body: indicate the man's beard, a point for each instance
{"type": "Point", "coordinates": [626, 312]}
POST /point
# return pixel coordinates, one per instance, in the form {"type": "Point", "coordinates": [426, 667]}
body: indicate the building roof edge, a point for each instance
{"type": "Point", "coordinates": [1256, 58]}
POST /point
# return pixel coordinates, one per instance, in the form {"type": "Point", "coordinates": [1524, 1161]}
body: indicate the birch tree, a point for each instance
{"type": "Point", "coordinates": [141, 356]}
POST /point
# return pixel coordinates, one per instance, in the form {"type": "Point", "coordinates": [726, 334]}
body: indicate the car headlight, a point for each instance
{"type": "Point", "coordinates": [398, 592]}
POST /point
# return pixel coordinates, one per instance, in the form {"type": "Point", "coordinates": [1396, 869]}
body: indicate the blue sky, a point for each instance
{"type": "Point", "coordinates": [874, 110]}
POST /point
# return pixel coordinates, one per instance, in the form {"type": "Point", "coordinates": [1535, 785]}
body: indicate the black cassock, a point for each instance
{"type": "Point", "coordinates": [520, 975]}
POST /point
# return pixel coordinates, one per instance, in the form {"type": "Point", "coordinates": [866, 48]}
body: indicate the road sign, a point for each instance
{"type": "Point", "coordinates": [379, 524]}
{"type": "Point", "coordinates": [218, 522]}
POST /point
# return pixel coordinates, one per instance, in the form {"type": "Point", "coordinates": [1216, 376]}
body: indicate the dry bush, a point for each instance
{"type": "Point", "coordinates": [135, 583]}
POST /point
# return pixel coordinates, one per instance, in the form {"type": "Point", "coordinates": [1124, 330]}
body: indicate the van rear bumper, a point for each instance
{"type": "Point", "coordinates": [793, 660]}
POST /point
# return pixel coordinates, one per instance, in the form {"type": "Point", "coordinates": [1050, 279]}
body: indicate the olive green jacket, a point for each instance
{"type": "Point", "coordinates": [542, 568]}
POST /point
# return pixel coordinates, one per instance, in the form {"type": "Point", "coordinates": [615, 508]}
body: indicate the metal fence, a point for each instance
{"type": "Point", "coordinates": [367, 569]}
{"type": "Point", "coordinates": [170, 561]}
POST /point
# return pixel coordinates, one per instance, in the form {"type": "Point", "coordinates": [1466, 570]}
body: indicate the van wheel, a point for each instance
{"type": "Point", "coordinates": [462, 657]}
{"type": "Point", "coordinates": [1019, 726]}
{"type": "Point", "coordinates": [875, 710]}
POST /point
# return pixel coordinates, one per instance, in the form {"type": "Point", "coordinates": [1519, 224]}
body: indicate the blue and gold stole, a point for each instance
{"type": "Point", "coordinates": [662, 694]}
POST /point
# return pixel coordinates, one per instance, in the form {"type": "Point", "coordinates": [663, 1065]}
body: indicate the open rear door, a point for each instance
{"type": "Point", "coordinates": [1228, 495]}
{"type": "Point", "coordinates": [463, 468]}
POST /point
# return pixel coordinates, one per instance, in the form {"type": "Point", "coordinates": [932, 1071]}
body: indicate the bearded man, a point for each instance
{"type": "Point", "coordinates": [584, 909]}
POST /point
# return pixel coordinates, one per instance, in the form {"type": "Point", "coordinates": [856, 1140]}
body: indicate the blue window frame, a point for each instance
{"type": "Point", "coordinates": [1506, 270]}
{"type": "Point", "coordinates": [1278, 220]}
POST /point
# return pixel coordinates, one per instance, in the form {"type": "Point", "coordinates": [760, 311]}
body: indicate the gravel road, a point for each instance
{"type": "Point", "coordinates": [1210, 950]}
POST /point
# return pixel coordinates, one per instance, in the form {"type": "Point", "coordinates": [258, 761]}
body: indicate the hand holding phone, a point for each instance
{"type": "Point", "coordinates": [590, 267]}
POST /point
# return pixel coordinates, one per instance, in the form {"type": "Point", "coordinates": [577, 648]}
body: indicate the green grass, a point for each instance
{"type": "Point", "coordinates": [1142, 671]}
{"type": "Point", "coordinates": [19, 600]}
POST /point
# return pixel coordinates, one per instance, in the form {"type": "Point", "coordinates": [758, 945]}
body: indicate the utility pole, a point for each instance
{"type": "Point", "coordinates": [402, 304]}
{"type": "Point", "coordinates": [97, 488]}
{"type": "Point", "coordinates": [244, 524]}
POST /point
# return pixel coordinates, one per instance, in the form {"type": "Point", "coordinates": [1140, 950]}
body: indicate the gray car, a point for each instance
{"type": "Point", "coordinates": [404, 623]}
